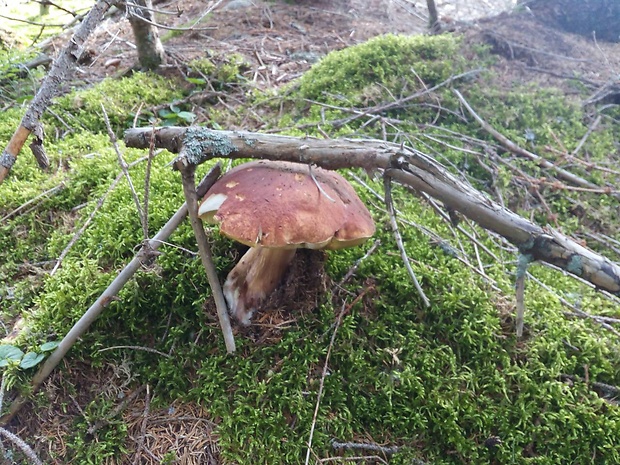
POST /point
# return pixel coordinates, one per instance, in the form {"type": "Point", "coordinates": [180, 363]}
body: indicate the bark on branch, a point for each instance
{"type": "Point", "coordinates": [403, 164]}
{"type": "Point", "coordinates": [61, 70]}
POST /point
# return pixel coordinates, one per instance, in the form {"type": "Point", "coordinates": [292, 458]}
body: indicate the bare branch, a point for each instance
{"type": "Point", "coordinates": [405, 165]}
{"type": "Point", "coordinates": [59, 73]}
{"type": "Point", "coordinates": [145, 255]}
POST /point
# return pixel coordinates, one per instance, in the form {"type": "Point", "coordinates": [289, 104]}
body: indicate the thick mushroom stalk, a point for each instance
{"type": "Point", "coordinates": [275, 208]}
{"type": "Point", "coordinates": [256, 276]}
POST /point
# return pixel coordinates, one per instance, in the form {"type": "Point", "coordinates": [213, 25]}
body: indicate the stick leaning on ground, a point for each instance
{"type": "Point", "coordinates": [80, 327]}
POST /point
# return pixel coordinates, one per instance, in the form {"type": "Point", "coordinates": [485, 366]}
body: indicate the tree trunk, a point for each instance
{"type": "Point", "coordinates": [151, 52]}
{"type": "Point", "coordinates": [433, 17]}
{"type": "Point", "coordinates": [585, 17]}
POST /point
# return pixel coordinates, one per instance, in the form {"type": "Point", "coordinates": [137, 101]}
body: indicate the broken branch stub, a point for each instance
{"type": "Point", "coordinates": [405, 165]}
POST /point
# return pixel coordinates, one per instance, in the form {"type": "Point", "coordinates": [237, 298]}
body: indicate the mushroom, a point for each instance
{"type": "Point", "coordinates": [276, 208]}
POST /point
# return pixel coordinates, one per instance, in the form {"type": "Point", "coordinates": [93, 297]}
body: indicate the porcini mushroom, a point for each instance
{"type": "Point", "coordinates": [276, 208]}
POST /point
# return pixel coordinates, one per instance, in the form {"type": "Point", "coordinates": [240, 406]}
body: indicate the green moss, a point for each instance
{"type": "Point", "coordinates": [17, 85]}
{"type": "Point", "coordinates": [389, 63]}
{"type": "Point", "coordinates": [121, 98]}
{"type": "Point", "coordinates": [437, 381]}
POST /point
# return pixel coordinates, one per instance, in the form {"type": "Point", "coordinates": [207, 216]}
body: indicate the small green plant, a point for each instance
{"type": "Point", "coordinates": [11, 355]}
{"type": "Point", "coordinates": [175, 116]}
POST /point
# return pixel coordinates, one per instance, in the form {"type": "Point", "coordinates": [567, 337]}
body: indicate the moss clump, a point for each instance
{"type": "Point", "coordinates": [16, 83]}
{"type": "Point", "coordinates": [438, 381]}
{"type": "Point", "coordinates": [121, 98]}
{"type": "Point", "coordinates": [389, 63]}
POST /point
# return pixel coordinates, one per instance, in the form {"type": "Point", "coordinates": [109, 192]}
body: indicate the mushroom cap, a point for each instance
{"type": "Point", "coordinates": [279, 204]}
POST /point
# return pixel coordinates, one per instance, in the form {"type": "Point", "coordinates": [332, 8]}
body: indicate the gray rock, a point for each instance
{"type": "Point", "coordinates": [238, 5]}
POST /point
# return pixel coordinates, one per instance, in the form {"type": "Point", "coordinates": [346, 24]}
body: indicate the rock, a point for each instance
{"type": "Point", "coordinates": [238, 5]}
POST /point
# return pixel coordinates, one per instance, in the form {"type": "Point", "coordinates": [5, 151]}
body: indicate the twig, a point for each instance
{"type": "Point", "coordinates": [34, 23]}
{"type": "Point", "coordinates": [187, 251]}
{"type": "Point", "coordinates": [360, 459]}
{"type": "Point", "coordinates": [98, 206]}
{"type": "Point", "coordinates": [90, 218]}
{"type": "Point", "coordinates": [192, 28]}
{"type": "Point", "coordinates": [147, 187]}
{"type": "Point", "coordinates": [343, 310]}
{"type": "Point", "coordinates": [48, 192]}
{"type": "Point", "coordinates": [145, 418]}
{"type": "Point", "coordinates": [524, 261]}
{"type": "Point", "coordinates": [399, 103]}
{"type": "Point", "coordinates": [316, 181]}
{"type": "Point", "coordinates": [207, 11]}
{"type": "Point", "coordinates": [145, 349]}
{"type": "Point", "coordinates": [365, 446]}
{"type": "Point", "coordinates": [125, 169]}
{"type": "Point", "coordinates": [25, 448]}
{"type": "Point", "coordinates": [600, 320]}
{"type": "Point", "coordinates": [605, 57]}
{"type": "Point", "coordinates": [82, 325]}
{"type": "Point", "coordinates": [187, 178]}
{"type": "Point", "coordinates": [590, 130]}
{"type": "Point", "coordinates": [57, 6]}
{"type": "Point", "coordinates": [155, 10]}
{"type": "Point", "coordinates": [2, 390]}
{"type": "Point", "coordinates": [387, 181]}
{"type": "Point", "coordinates": [356, 265]}
{"type": "Point", "coordinates": [514, 148]}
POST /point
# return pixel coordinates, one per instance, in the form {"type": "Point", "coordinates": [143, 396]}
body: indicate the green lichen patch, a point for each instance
{"type": "Point", "coordinates": [200, 142]}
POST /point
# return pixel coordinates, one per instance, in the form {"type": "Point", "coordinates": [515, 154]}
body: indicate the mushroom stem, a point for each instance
{"type": "Point", "coordinates": [256, 275]}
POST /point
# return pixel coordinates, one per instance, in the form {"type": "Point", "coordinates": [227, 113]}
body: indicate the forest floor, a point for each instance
{"type": "Point", "coordinates": [280, 41]}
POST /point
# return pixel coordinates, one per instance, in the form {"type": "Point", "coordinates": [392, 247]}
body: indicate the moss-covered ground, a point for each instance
{"type": "Point", "coordinates": [447, 384]}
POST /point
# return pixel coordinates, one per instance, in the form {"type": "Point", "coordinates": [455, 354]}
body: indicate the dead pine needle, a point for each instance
{"type": "Point", "coordinates": [387, 183]}
{"type": "Point", "coordinates": [145, 418]}
{"type": "Point", "coordinates": [125, 169]}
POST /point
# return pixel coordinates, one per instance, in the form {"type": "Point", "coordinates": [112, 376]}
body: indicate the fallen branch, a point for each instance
{"type": "Point", "coordinates": [59, 73]}
{"type": "Point", "coordinates": [405, 165]}
{"type": "Point", "coordinates": [514, 148]}
{"type": "Point", "coordinates": [191, 198]}
{"type": "Point", "coordinates": [145, 255]}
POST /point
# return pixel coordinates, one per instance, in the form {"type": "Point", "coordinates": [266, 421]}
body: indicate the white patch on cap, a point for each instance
{"type": "Point", "coordinates": [211, 204]}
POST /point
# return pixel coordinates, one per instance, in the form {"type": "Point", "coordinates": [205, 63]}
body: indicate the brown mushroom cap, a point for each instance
{"type": "Point", "coordinates": [279, 204]}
